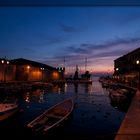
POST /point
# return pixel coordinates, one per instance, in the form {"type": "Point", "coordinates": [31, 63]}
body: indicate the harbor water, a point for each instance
{"type": "Point", "coordinates": [93, 117]}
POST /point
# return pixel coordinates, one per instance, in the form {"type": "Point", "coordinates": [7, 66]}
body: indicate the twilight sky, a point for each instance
{"type": "Point", "coordinates": [60, 36]}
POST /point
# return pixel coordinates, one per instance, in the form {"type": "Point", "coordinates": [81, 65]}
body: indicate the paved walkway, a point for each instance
{"type": "Point", "coordinates": [130, 127]}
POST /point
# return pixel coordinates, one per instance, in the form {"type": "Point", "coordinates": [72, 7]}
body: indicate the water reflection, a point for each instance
{"type": "Point", "coordinates": [92, 116]}
{"type": "Point", "coordinates": [80, 88]}
{"type": "Point", "coordinates": [27, 97]}
{"type": "Point", "coordinates": [59, 88]}
{"type": "Point", "coordinates": [72, 87]}
{"type": "Point", "coordinates": [38, 95]}
{"type": "Point", "coordinates": [75, 87]}
{"type": "Point", "coordinates": [88, 88]}
{"type": "Point", "coordinates": [41, 97]}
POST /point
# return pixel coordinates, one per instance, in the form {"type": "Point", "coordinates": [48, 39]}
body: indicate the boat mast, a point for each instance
{"type": "Point", "coordinates": [85, 64]}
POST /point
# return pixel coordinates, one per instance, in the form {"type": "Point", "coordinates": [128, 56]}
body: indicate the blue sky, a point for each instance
{"type": "Point", "coordinates": [52, 34]}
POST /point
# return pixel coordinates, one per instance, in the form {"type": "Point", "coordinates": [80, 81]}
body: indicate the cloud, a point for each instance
{"type": "Point", "coordinates": [115, 47]}
{"type": "Point", "coordinates": [75, 49]}
{"type": "Point", "coordinates": [110, 53]}
{"type": "Point", "coordinates": [67, 28]}
{"type": "Point", "coordinates": [48, 41]}
{"type": "Point", "coordinates": [29, 50]}
{"type": "Point", "coordinates": [112, 43]}
{"type": "Point", "coordinates": [99, 56]}
{"type": "Point", "coordinates": [130, 18]}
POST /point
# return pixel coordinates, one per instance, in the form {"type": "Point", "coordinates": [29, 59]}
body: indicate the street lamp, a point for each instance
{"type": "Point", "coordinates": [117, 73]}
{"type": "Point", "coordinates": [42, 69]}
{"type": "Point", "coordinates": [138, 63]}
{"type": "Point", "coordinates": [28, 67]}
{"type": "Point", "coordinates": [4, 63]}
{"type": "Point", "coordinates": [28, 72]}
{"type": "Point", "coordinates": [117, 69]}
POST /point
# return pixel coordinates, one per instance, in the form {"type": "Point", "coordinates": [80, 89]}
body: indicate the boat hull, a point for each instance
{"type": "Point", "coordinates": [7, 114]}
{"type": "Point", "coordinates": [7, 110]}
{"type": "Point", "coordinates": [52, 117]}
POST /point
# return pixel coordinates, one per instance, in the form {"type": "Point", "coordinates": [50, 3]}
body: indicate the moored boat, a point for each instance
{"type": "Point", "coordinates": [7, 110]}
{"type": "Point", "coordinates": [53, 116]}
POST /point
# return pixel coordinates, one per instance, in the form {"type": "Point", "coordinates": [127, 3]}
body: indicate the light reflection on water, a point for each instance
{"type": "Point", "coordinates": [92, 116]}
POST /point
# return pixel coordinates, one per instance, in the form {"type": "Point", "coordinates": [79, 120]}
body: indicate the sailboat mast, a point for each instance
{"type": "Point", "coordinates": [85, 64]}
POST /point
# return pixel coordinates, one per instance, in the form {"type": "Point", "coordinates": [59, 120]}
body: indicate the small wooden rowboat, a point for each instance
{"type": "Point", "coordinates": [53, 116]}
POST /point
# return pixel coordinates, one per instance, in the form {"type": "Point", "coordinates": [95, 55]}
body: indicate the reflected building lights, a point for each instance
{"type": "Point", "coordinates": [27, 98]}
{"type": "Point", "coordinates": [65, 87]}
{"type": "Point", "coordinates": [59, 90]}
{"type": "Point", "coordinates": [41, 97]}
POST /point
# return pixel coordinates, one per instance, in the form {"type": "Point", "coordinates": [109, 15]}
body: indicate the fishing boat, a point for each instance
{"type": "Point", "coordinates": [52, 117]}
{"type": "Point", "coordinates": [7, 110]}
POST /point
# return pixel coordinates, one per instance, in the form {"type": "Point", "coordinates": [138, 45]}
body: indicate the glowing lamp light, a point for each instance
{"type": "Point", "coordinates": [2, 61]}
{"type": "Point", "coordinates": [28, 67]}
{"type": "Point", "coordinates": [7, 62]}
{"type": "Point", "coordinates": [137, 62]}
{"type": "Point", "coordinates": [117, 69]}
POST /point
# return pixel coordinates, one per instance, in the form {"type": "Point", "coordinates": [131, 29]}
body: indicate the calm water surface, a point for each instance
{"type": "Point", "coordinates": [93, 116]}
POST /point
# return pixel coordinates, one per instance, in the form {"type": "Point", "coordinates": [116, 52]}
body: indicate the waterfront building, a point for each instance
{"type": "Point", "coordinates": [61, 71]}
{"type": "Point", "coordinates": [27, 70]}
{"type": "Point", "coordinates": [7, 70]}
{"type": "Point", "coordinates": [127, 68]}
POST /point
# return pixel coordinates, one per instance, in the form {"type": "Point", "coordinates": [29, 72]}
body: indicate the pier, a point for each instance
{"type": "Point", "coordinates": [130, 127]}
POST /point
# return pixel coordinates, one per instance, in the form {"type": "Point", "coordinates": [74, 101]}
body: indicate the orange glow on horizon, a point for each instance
{"type": "Point", "coordinates": [92, 70]}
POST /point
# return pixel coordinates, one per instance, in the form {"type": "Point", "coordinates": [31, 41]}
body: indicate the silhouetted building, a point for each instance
{"type": "Point", "coordinates": [7, 70]}
{"type": "Point", "coordinates": [61, 71]}
{"type": "Point", "coordinates": [27, 70]}
{"type": "Point", "coordinates": [127, 67]}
